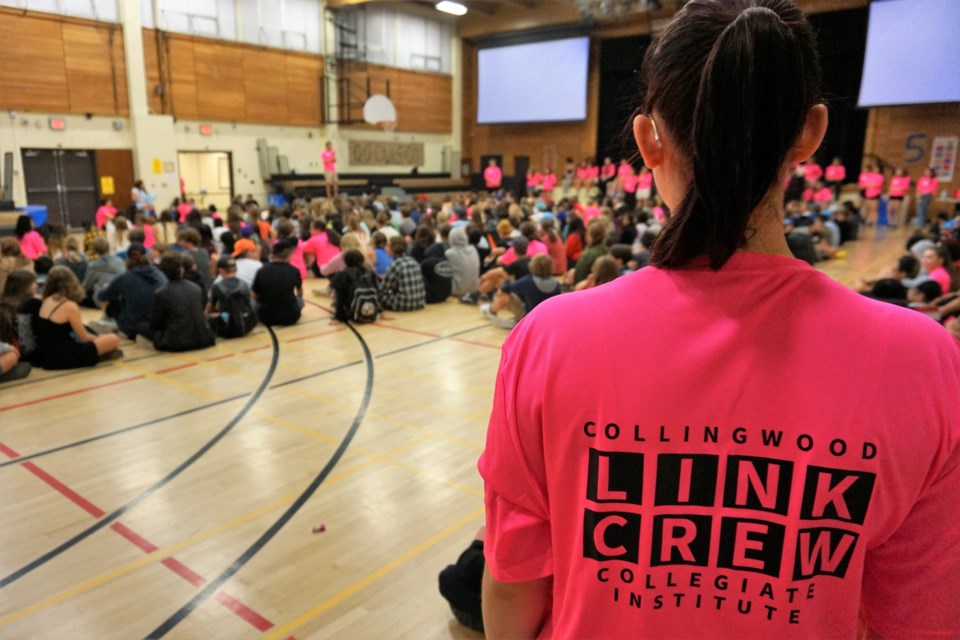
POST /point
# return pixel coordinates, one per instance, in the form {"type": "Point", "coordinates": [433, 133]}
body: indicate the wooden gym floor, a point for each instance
{"type": "Point", "coordinates": [178, 493]}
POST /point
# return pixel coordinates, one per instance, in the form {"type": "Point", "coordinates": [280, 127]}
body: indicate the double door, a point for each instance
{"type": "Point", "coordinates": [65, 181]}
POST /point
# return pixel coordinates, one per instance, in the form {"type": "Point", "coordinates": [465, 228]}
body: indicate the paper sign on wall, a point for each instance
{"type": "Point", "coordinates": [157, 166]}
{"type": "Point", "coordinates": [107, 188]}
{"type": "Point", "coordinates": [943, 157]}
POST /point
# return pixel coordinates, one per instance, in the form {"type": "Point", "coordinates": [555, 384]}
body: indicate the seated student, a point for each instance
{"type": "Point", "coordinates": [12, 259]}
{"type": "Point", "coordinates": [924, 293]}
{"type": "Point", "coordinates": [344, 283]}
{"type": "Point", "coordinates": [492, 279]}
{"type": "Point", "coordinates": [605, 269]}
{"type": "Point", "coordinates": [189, 240]}
{"type": "Point", "coordinates": [105, 213]}
{"type": "Point", "coordinates": [132, 294]}
{"type": "Point", "coordinates": [596, 234]}
{"type": "Point", "coordinates": [380, 250]}
{"type": "Point", "coordinates": [437, 277]}
{"type": "Point", "coordinates": [521, 296]}
{"type": "Point", "coordinates": [62, 340]}
{"type": "Point", "coordinates": [322, 247]}
{"type": "Point", "coordinates": [10, 366]}
{"type": "Point", "coordinates": [402, 288]}
{"type": "Point", "coordinates": [230, 309]}
{"type": "Point", "coordinates": [20, 297]}
{"type": "Point", "coordinates": [177, 320]}
{"type": "Point", "coordinates": [464, 261]}
{"type": "Point", "coordinates": [246, 253]}
{"type": "Point", "coordinates": [32, 243]}
{"type": "Point", "coordinates": [118, 231]}
{"type": "Point", "coordinates": [278, 288]}
{"type": "Point", "coordinates": [73, 258]}
{"type": "Point", "coordinates": [100, 271]}
{"type": "Point", "coordinates": [350, 240]}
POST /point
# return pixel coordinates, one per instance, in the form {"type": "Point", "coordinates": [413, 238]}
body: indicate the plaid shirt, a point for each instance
{"type": "Point", "coordinates": [402, 286]}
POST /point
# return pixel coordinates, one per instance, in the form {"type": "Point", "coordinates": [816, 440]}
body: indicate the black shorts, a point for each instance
{"type": "Point", "coordinates": [897, 198]}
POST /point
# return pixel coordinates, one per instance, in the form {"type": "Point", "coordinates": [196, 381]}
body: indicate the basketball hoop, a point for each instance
{"type": "Point", "coordinates": [379, 110]}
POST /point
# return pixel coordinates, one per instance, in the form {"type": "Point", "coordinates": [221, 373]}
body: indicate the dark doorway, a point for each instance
{"type": "Point", "coordinates": [520, 166]}
{"type": "Point", "coordinates": [620, 60]}
{"type": "Point", "coordinates": [65, 181]}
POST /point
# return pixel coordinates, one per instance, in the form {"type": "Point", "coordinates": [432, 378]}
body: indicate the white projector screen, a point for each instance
{"type": "Point", "coordinates": [913, 53]}
{"type": "Point", "coordinates": [534, 82]}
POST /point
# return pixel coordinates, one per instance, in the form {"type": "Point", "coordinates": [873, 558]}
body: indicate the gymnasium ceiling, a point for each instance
{"type": "Point", "coordinates": [485, 17]}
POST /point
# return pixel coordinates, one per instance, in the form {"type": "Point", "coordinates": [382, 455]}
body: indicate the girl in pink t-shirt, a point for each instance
{"type": "Point", "coordinates": [644, 184]}
{"type": "Point", "coordinates": [871, 186]}
{"type": "Point", "coordinates": [492, 176]}
{"type": "Point", "coordinates": [835, 174]}
{"type": "Point", "coordinates": [936, 262]}
{"type": "Point", "coordinates": [812, 171]}
{"type": "Point", "coordinates": [549, 182]}
{"type": "Point", "coordinates": [899, 185]}
{"type": "Point", "coordinates": [32, 244]}
{"type": "Point", "coordinates": [105, 213]}
{"type": "Point", "coordinates": [926, 187]}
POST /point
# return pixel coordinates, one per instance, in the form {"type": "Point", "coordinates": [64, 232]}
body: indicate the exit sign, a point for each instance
{"type": "Point", "coordinates": [58, 124]}
{"type": "Point", "coordinates": [206, 129]}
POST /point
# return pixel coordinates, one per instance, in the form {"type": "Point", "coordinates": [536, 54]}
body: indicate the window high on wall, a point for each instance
{"type": "Point", "coordinates": [399, 39]}
{"type": "Point", "coordinates": [105, 10]}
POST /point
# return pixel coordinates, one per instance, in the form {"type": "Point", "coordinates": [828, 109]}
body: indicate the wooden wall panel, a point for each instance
{"type": "Point", "coordinates": [542, 142]}
{"type": "Point", "coordinates": [183, 78]}
{"type": "Point", "coordinates": [304, 79]}
{"type": "Point", "coordinates": [219, 80]}
{"type": "Point", "coordinates": [265, 86]}
{"type": "Point", "coordinates": [32, 75]}
{"type": "Point", "coordinates": [91, 72]}
{"type": "Point", "coordinates": [151, 62]}
{"type": "Point", "coordinates": [424, 101]}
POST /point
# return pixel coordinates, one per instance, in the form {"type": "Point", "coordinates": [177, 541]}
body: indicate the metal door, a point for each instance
{"type": "Point", "coordinates": [42, 180]}
{"type": "Point", "coordinates": [65, 181]}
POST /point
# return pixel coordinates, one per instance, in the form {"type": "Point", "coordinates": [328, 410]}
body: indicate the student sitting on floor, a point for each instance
{"type": "Point", "coordinates": [62, 340]}
{"type": "Point", "coordinates": [101, 270]}
{"type": "Point", "coordinates": [402, 288]}
{"type": "Point", "coordinates": [230, 309]}
{"type": "Point", "coordinates": [10, 366]}
{"type": "Point", "coordinates": [521, 296]}
{"type": "Point", "coordinates": [20, 298]}
{"type": "Point", "coordinates": [177, 321]}
{"type": "Point", "coordinates": [345, 284]}
{"type": "Point", "coordinates": [278, 288]}
{"type": "Point", "coordinates": [132, 292]}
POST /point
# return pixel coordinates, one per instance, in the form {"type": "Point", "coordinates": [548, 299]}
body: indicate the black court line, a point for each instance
{"type": "Point", "coordinates": [106, 520]}
{"type": "Point", "coordinates": [117, 432]}
{"type": "Point", "coordinates": [275, 528]}
{"type": "Point", "coordinates": [438, 339]}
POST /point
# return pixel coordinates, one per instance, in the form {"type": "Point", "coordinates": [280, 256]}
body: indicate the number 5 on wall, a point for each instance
{"type": "Point", "coordinates": [915, 148]}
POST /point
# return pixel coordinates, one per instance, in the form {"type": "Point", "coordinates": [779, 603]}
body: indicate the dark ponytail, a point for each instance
{"type": "Point", "coordinates": [732, 82]}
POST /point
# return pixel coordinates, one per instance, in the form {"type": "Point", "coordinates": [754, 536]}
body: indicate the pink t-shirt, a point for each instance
{"type": "Point", "coordinates": [630, 183]}
{"type": "Point", "coordinates": [493, 177]}
{"type": "Point", "coordinates": [823, 196]}
{"type": "Point", "coordinates": [329, 159]}
{"type": "Point", "coordinates": [899, 186]}
{"type": "Point", "coordinates": [748, 492]}
{"type": "Point", "coordinates": [149, 236]}
{"type": "Point", "coordinates": [645, 180]}
{"type": "Point", "coordinates": [533, 179]}
{"type": "Point", "coordinates": [812, 172]}
{"type": "Point", "coordinates": [583, 172]}
{"type": "Point", "coordinates": [32, 245]}
{"type": "Point", "coordinates": [319, 246]}
{"type": "Point", "coordinates": [942, 277]}
{"type": "Point", "coordinates": [607, 171]}
{"type": "Point", "coordinates": [593, 172]}
{"type": "Point", "coordinates": [836, 173]}
{"type": "Point", "coordinates": [184, 210]}
{"type": "Point", "coordinates": [871, 183]}
{"type": "Point", "coordinates": [549, 182]}
{"type": "Point", "coordinates": [103, 215]}
{"type": "Point", "coordinates": [624, 170]}
{"type": "Point", "coordinates": [927, 185]}
{"type": "Point", "coordinates": [808, 195]}
{"type": "Point", "coordinates": [534, 247]}
{"type": "Point", "coordinates": [590, 213]}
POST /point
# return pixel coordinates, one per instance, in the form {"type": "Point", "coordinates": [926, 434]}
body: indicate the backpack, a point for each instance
{"type": "Point", "coordinates": [364, 303]}
{"type": "Point", "coordinates": [237, 317]}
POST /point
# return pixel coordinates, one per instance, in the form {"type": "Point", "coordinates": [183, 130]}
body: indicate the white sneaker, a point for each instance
{"type": "Point", "coordinates": [485, 310]}
{"type": "Point", "coordinates": [104, 326]}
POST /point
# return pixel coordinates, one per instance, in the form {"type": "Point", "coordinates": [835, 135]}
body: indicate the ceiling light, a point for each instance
{"type": "Point", "coordinates": [454, 8]}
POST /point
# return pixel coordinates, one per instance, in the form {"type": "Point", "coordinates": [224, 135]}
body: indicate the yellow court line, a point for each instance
{"type": "Point", "coordinates": [370, 578]}
{"type": "Point", "coordinates": [170, 381]}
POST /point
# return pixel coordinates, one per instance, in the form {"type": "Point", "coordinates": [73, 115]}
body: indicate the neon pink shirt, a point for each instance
{"type": "Point", "coordinates": [899, 186]}
{"type": "Point", "coordinates": [927, 185]}
{"type": "Point", "coordinates": [812, 172]}
{"type": "Point", "coordinates": [645, 180]}
{"type": "Point", "coordinates": [942, 277]}
{"type": "Point", "coordinates": [607, 171]}
{"type": "Point", "coordinates": [493, 177]}
{"type": "Point", "coordinates": [808, 195]}
{"type": "Point", "coordinates": [549, 181]}
{"type": "Point", "coordinates": [593, 172]}
{"type": "Point", "coordinates": [32, 245]}
{"type": "Point", "coordinates": [533, 179]}
{"type": "Point", "coordinates": [329, 159]}
{"type": "Point", "coordinates": [624, 170]}
{"type": "Point", "coordinates": [728, 506]}
{"type": "Point", "coordinates": [871, 183]}
{"type": "Point", "coordinates": [184, 210]}
{"type": "Point", "coordinates": [583, 172]}
{"type": "Point", "coordinates": [104, 214]}
{"type": "Point", "coordinates": [630, 183]}
{"type": "Point", "coordinates": [319, 246]}
{"type": "Point", "coordinates": [836, 173]}
{"type": "Point", "coordinates": [823, 195]}
{"type": "Point", "coordinates": [590, 214]}
{"type": "Point", "coordinates": [534, 247]}
{"type": "Point", "coordinates": [659, 214]}
{"type": "Point", "coordinates": [149, 236]}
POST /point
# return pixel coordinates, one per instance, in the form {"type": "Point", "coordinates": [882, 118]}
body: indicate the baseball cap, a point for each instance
{"type": "Point", "coordinates": [242, 246]}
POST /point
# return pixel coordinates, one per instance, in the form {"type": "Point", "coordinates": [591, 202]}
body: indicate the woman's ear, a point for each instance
{"type": "Point", "coordinates": [647, 143]}
{"type": "Point", "coordinates": [810, 138]}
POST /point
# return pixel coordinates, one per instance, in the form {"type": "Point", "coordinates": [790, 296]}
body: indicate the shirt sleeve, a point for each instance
{"type": "Point", "coordinates": [911, 583]}
{"type": "Point", "coordinates": [518, 541]}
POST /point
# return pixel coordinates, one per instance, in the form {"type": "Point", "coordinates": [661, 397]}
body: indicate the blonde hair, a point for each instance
{"type": "Point", "coordinates": [350, 240]}
{"type": "Point", "coordinates": [63, 281]}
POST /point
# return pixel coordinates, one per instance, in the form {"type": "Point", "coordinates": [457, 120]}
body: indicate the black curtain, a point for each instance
{"type": "Point", "coordinates": [841, 42]}
{"type": "Point", "coordinates": [620, 60]}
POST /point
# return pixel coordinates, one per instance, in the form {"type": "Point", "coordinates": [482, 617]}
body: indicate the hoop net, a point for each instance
{"type": "Point", "coordinates": [387, 125]}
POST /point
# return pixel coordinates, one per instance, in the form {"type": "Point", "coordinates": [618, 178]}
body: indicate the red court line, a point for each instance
{"type": "Point", "coordinates": [419, 333]}
{"type": "Point", "coordinates": [266, 346]}
{"type": "Point", "coordinates": [64, 490]}
{"type": "Point", "coordinates": [218, 358]}
{"type": "Point", "coordinates": [178, 367]}
{"type": "Point", "coordinates": [236, 607]}
{"type": "Point", "coordinates": [69, 393]}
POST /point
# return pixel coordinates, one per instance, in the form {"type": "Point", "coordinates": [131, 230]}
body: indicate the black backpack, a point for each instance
{"type": "Point", "coordinates": [237, 317]}
{"type": "Point", "coordinates": [365, 304]}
